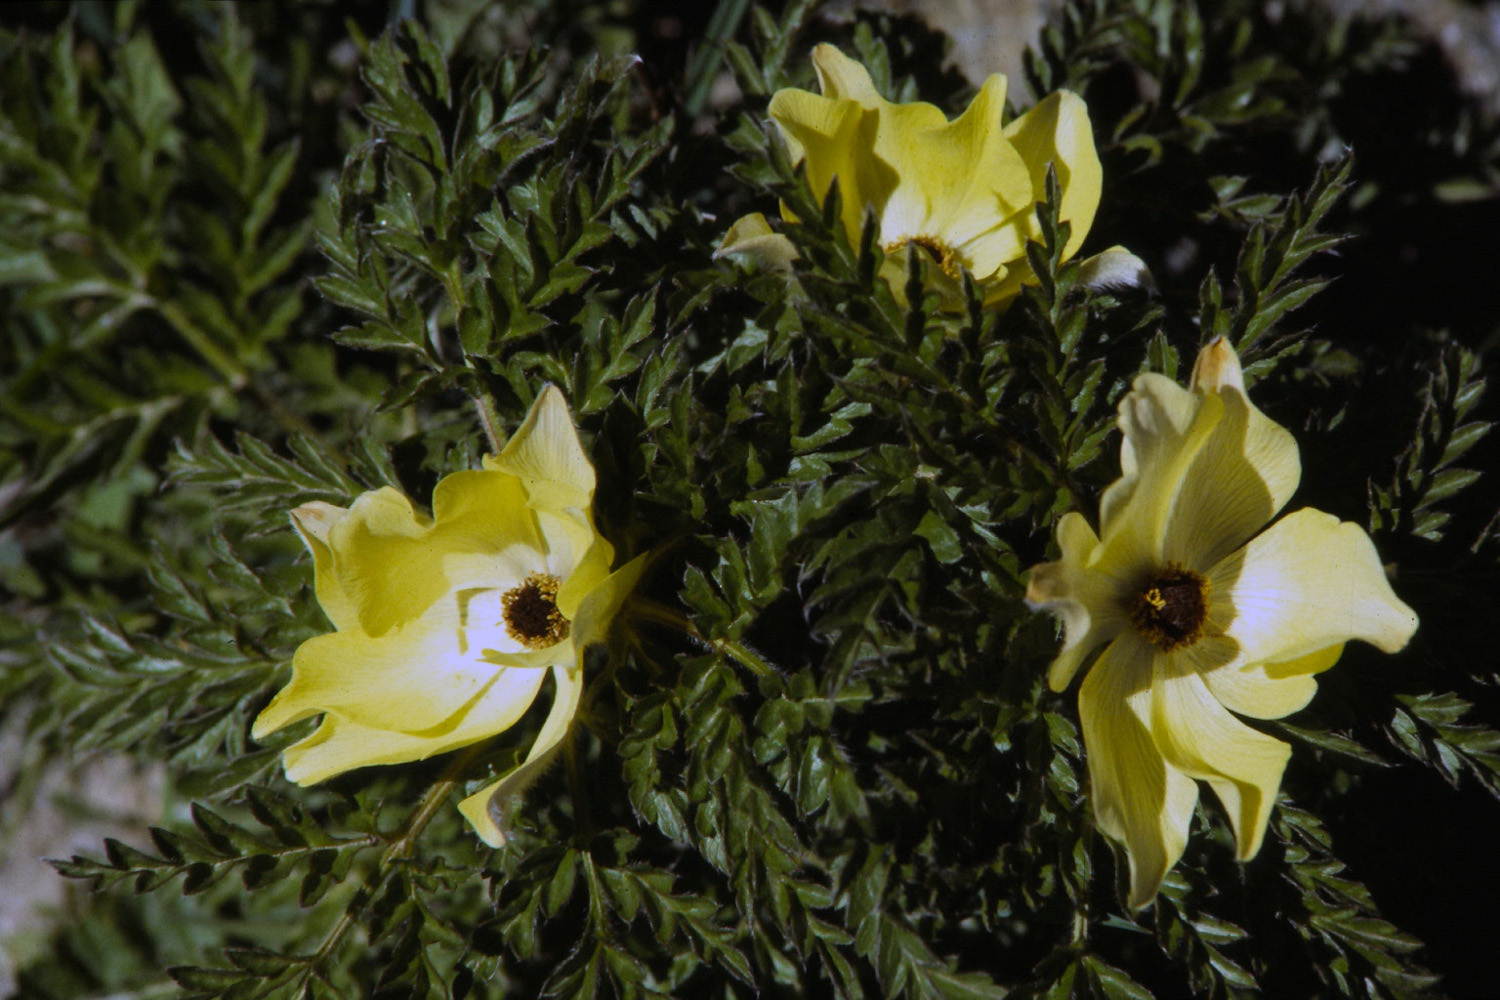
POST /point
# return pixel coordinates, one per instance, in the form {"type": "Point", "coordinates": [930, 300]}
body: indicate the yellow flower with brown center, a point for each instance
{"type": "Point", "coordinates": [1202, 612]}
{"type": "Point", "coordinates": [446, 626]}
{"type": "Point", "coordinates": [962, 192]}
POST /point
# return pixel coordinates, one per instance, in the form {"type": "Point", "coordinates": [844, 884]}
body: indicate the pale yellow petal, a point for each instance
{"type": "Point", "coordinates": [1199, 737]}
{"type": "Point", "coordinates": [1217, 367]}
{"type": "Point", "coordinates": [1139, 799]}
{"type": "Point", "coordinates": [1068, 590]}
{"type": "Point", "coordinates": [590, 572]}
{"type": "Point", "coordinates": [1270, 690]}
{"type": "Point", "coordinates": [827, 133]}
{"type": "Point", "coordinates": [545, 454]}
{"type": "Point", "coordinates": [485, 534]}
{"type": "Point", "coordinates": [568, 537]}
{"type": "Point", "coordinates": [842, 78]}
{"type": "Point", "coordinates": [1244, 473]}
{"type": "Point", "coordinates": [380, 549]}
{"type": "Point", "coordinates": [488, 810]}
{"type": "Point", "coordinates": [395, 566]}
{"type": "Point", "coordinates": [1154, 417]}
{"type": "Point", "coordinates": [483, 510]}
{"type": "Point", "coordinates": [1058, 132]}
{"type": "Point", "coordinates": [1307, 583]}
{"type": "Point", "coordinates": [1166, 427]}
{"type": "Point", "coordinates": [313, 522]}
{"type": "Point", "coordinates": [602, 603]}
{"type": "Point", "coordinates": [1114, 268]}
{"type": "Point", "coordinates": [339, 745]}
{"type": "Point", "coordinates": [752, 242]}
{"type": "Point", "coordinates": [1269, 448]}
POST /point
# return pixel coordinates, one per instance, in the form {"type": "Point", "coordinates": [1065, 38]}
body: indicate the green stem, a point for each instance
{"type": "Point", "coordinates": [200, 342]}
{"type": "Point", "coordinates": [400, 847]}
{"type": "Point", "coordinates": [489, 419]}
{"type": "Point", "coordinates": [406, 840]}
{"type": "Point", "coordinates": [672, 618]}
{"type": "Point", "coordinates": [236, 376]}
{"type": "Point", "coordinates": [582, 817]}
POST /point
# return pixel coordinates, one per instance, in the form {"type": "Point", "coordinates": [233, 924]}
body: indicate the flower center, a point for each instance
{"type": "Point", "coordinates": [531, 615]}
{"type": "Point", "coordinates": [1169, 611]}
{"type": "Point", "coordinates": [940, 253]}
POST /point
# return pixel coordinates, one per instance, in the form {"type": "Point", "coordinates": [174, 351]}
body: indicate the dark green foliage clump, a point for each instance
{"type": "Point", "coordinates": [256, 255]}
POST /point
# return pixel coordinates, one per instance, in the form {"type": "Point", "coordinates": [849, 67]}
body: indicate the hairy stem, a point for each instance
{"type": "Point", "coordinates": [672, 618]}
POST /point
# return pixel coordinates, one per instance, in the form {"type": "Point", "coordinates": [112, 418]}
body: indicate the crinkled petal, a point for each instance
{"type": "Point", "coordinates": [1139, 799]}
{"type": "Point", "coordinates": [1068, 590]}
{"type": "Point", "coordinates": [1057, 131]}
{"type": "Point", "coordinates": [1270, 690]}
{"type": "Point", "coordinates": [483, 511]}
{"type": "Point", "coordinates": [409, 680]}
{"type": "Point", "coordinates": [1309, 582]}
{"type": "Point", "coordinates": [313, 522]}
{"type": "Point", "coordinates": [340, 745]}
{"type": "Point", "coordinates": [1199, 737]}
{"type": "Point", "coordinates": [384, 561]}
{"type": "Point", "coordinates": [958, 180]}
{"type": "Point", "coordinates": [546, 455]}
{"type": "Point", "coordinates": [488, 810]}
{"type": "Point", "coordinates": [485, 535]}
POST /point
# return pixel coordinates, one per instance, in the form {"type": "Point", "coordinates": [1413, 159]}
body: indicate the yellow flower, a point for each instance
{"type": "Point", "coordinates": [963, 192]}
{"type": "Point", "coordinates": [1202, 611]}
{"type": "Point", "coordinates": [445, 627]}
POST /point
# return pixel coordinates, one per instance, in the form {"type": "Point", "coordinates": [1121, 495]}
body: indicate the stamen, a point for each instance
{"type": "Point", "coordinates": [531, 615]}
{"type": "Point", "coordinates": [1169, 611]}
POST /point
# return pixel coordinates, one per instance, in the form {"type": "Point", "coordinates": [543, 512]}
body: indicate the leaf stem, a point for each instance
{"type": "Point", "coordinates": [200, 342]}
{"type": "Point", "coordinates": [399, 848]}
{"type": "Point", "coordinates": [402, 846]}
{"type": "Point", "coordinates": [489, 419]}
{"type": "Point", "coordinates": [231, 371]}
{"type": "Point", "coordinates": [672, 618]}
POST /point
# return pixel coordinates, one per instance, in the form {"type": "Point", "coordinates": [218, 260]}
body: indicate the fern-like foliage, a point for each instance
{"type": "Point", "coordinates": [245, 268]}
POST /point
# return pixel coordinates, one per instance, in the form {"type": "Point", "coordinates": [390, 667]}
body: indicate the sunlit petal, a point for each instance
{"type": "Point", "coordinates": [1270, 690]}
{"type": "Point", "coordinates": [1309, 582]}
{"type": "Point", "coordinates": [339, 744]}
{"type": "Point", "coordinates": [546, 455]}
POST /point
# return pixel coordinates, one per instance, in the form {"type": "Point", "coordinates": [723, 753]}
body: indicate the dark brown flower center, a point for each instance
{"type": "Point", "coordinates": [934, 247]}
{"type": "Point", "coordinates": [531, 615]}
{"type": "Point", "coordinates": [1171, 608]}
